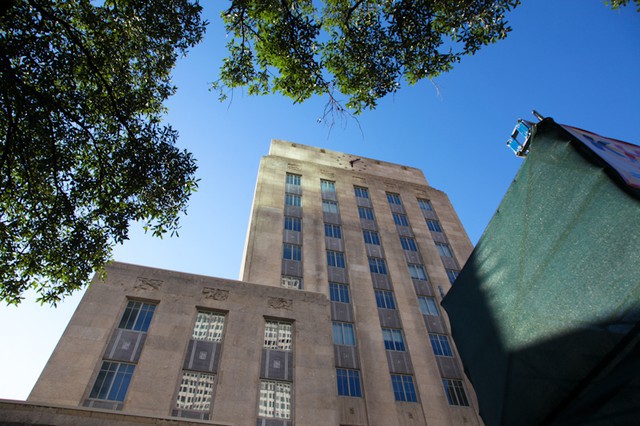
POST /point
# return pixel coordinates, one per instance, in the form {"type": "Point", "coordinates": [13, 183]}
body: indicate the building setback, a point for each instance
{"type": "Point", "coordinates": [336, 321]}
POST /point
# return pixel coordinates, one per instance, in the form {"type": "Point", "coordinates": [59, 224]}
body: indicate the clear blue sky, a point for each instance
{"type": "Point", "coordinates": [573, 60]}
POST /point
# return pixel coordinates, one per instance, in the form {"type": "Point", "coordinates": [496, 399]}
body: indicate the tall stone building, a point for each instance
{"type": "Point", "coordinates": [336, 321]}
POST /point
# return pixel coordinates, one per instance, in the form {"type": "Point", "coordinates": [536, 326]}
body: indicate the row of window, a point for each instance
{"type": "Point", "coordinates": [344, 333]}
{"type": "Point", "coordinates": [440, 345]}
{"type": "Point", "coordinates": [292, 252]}
{"type": "Point", "coordinates": [393, 338]}
{"type": "Point", "coordinates": [195, 389]}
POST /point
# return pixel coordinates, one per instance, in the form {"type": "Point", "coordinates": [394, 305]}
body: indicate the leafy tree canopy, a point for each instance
{"type": "Point", "coordinates": [616, 4]}
{"type": "Point", "coordinates": [83, 151]}
{"type": "Point", "coordinates": [362, 49]}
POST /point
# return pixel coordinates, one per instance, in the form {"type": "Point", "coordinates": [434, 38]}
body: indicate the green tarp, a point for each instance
{"type": "Point", "coordinates": [546, 312]}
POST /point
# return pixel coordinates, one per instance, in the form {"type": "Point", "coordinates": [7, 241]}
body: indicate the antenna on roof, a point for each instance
{"type": "Point", "coordinates": [538, 116]}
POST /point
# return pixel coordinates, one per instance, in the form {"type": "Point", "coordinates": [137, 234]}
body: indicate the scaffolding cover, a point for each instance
{"type": "Point", "coordinates": [546, 312]}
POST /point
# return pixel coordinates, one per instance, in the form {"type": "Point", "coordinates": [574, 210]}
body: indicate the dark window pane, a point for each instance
{"type": "Point", "coordinates": [361, 192]}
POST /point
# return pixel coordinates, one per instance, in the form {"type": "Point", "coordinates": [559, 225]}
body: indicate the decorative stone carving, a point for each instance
{"type": "Point", "coordinates": [280, 303]}
{"type": "Point", "coordinates": [327, 173]}
{"type": "Point", "coordinates": [143, 283]}
{"type": "Point", "coordinates": [294, 166]}
{"type": "Point", "coordinates": [215, 293]}
{"type": "Point", "coordinates": [359, 179]}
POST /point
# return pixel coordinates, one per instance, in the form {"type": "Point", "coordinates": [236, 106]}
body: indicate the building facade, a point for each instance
{"type": "Point", "coordinates": [336, 321]}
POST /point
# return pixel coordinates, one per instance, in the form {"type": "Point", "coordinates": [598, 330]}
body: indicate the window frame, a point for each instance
{"type": "Point", "coordinates": [344, 333]}
{"type": "Point", "coordinates": [404, 388]}
{"type": "Point", "coordinates": [408, 244]}
{"type": "Point", "coordinates": [272, 394]}
{"type": "Point", "coordinates": [433, 225]}
{"type": "Point", "coordinates": [400, 219]}
{"type": "Point", "coordinates": [112, 384]}
{"type": "Point", "coordinates": [378, 265]}
{"type": "Point", "coordinates": [292, 252]}
{"type": "Point", "coordinates": [366, 213]}
{"type": "Point", "coordinates": [373, 237]}
{"type": "Point", "coordinates": [455, 392]}
{"type": "Point", "coordinates": [441, 345]}
{"type": "Point", "coordinates": [334, 209]}
{"type": "Point", "coordinates": [332, 230]}
{"type": "Point", "coordinates": [428, 306]}
{"type": "Point", "coordinates": [425, 204]}
{"type": "Point", "coordinates": [336, 259]}
{"type": "Point", "coordinates": [293, 179]}
{"type": "Point", "coordinates": [282, 340]}
{"type": "Point", "coordinates": [294, 200]}
{"type": "Point", "coordinates": [420, 272]}
{"type": "Point", "coordinates": [207, 391]}
{"type": "Point", "coordinates": [339, 293]}
{"type": "Point", "coordinates": [293, 223]}
{"type": "Point", "coordinates": [361, 192]}
{"type": "Point", "coordinates": [385, 299]}
{"type": "Point", "coordinates": [393, 198]}
{"type": "Point", "coordinates": [444, 249]}
{"type": "Point", "coordinates": [327, 185]}
{"type": "Point", "coordinates": [350, 380]}
{"type": "Point", "coordinates": [214, 331]}
{"type": "Point", "coordinates": [137, 316]}
{"type": "Point", "coordinates": [393, 339]}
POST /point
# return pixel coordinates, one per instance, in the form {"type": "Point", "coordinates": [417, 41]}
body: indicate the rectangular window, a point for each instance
{"type": "Point", "coordinates": [293, 179]}
{"type": "Point", "coordinates": [400, 219]}
{"type": "Point", "coordinates": [137, 316]}
{"type": "Point", "coordinates": [339, 293]}
{"type": "Point", "coordinates": [453, 275]}
{"type": "Point", "coordinates": [332, 231]}
{"type": "Point", "coordinates": [291, 251]}
{"type": "Point", "coordinates": [275, 399]}
{"type": "Point", "coordinates": [428, 306]}
{"type": "Point", "coordinates": [403, 388]}
{"type": "Point", "coordinates": [455, 392]}
{"type": "Point", "coordinates": [393, 340]}
{"type": "Point", "coordinates": [335, 259]}
{"type": "Point", "coordinates": [377, 265]}
{"type": "Point", "coordinates": [417, 272]}
{"type": "Point", "coordinates": [209, 326]}
{"type": "Point", "coordinates": [425, 204]}
{"type": "Point", "coordinates": [277, 335]}
{"type": "Point", "coordinates": [329, 206]}
{"type": "Point", "coordinates": [385, 299]}
{"type": "Point", "coordinates": [292, 223]}
{"type": "Point", "coordinates": [343, 334]}
{"type": "Point", "coordinates": [348, 382]}
{"type": "Point", "coordinates": [393, 199]}
{"type": "Point", "coordinates": [112, 381]}
{"type": "Point", "coordinates": [434, 225]}
{"type": "Point", "coordinates": [292, 200]}
{"type": "Point", "coordinates": [365, 213]}
{"type": "Point", "coordinates": [408, 244]}
{"type": "Point", "coordinates": [195, 391]}
{"type": "Point", "coordinates": [371, 237]}
{"type": "Point", "coordinates": [444, 250]}
{"type": "Point", "coordinates": [361, 192]}
{"type": "Point", "coordinates": [291, 282]}
{"type": "Point", "coordinates": [327, 186]}
{"type": "Point", "coordinates": [440, 345]}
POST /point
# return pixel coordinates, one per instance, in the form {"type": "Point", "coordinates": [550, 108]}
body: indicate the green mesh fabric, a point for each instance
{"type": "Point", "coordinates": [543, 313]}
